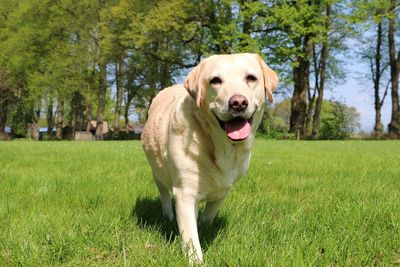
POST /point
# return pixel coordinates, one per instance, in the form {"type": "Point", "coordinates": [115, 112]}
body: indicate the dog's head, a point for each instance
{"type": "Point", "coordinates": [232, 89]}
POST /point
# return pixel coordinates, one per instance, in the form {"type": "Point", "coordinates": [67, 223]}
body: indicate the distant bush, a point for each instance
{"type": "Point", "coordinates": [338, 121]}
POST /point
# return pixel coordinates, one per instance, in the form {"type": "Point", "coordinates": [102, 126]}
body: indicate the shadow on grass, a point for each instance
{"type": "Point", "coordinates": [148, 212]}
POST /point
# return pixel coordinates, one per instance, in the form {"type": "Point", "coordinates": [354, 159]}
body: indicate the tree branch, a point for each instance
{"type": "Point", "coordinates": [385, 94]}
{"type": "Point", "coordinates": [372, 70]}
{"type": "Point", "coordinates": [398, 61]}
{"type": "Point", "coordinates": [157, 57]}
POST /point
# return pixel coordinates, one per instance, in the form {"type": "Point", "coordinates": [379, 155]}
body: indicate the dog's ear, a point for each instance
{"type": "Point", "coordinates": [270, 78]}
{"type": "Point", "coordinates": [194, 84]}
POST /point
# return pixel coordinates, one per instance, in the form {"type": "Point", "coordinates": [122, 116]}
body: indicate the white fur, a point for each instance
{"type": "Point", "coordinates": [189, 153]}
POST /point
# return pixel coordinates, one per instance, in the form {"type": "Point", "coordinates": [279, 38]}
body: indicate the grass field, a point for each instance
{"type": "Point", "coordinates": [301, 204]}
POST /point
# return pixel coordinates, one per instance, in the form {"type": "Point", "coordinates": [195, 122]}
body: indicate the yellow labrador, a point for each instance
{"type": "Point", "coordinates": [198, 136]}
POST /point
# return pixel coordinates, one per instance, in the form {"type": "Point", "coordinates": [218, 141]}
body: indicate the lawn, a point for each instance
{"type": "Point", "coordinates": [301, 203]}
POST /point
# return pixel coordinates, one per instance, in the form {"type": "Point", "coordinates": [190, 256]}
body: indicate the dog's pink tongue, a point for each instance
{"type": "Point", "coordinates": [237, 129]}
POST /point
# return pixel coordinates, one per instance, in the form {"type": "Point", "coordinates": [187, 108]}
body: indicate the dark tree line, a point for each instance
{"type": "Point", "coordinates": [65, 63]}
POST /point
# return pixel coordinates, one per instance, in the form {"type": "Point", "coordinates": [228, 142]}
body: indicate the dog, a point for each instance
{"type": "Point", "coordinates": [198, 137]}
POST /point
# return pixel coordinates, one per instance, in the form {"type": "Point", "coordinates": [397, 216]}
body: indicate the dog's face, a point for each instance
{"type": "Point", "coordinates": [232, 89]}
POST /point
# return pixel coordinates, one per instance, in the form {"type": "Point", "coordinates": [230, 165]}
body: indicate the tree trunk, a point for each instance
{"type": "Point", "coordinates": [101, 101]}
{"type": "Point", "coordinates": [324, 59]}
{"type": "Point", "coordinates": [77, 116]}
{"type": "Point", "coordinates": [394, 129]}
{"type": "Point", "coordinates": [60, 119]}
{"type": "Point", "coordinates": [301, 83]}
{"type": "Point", "coordinates": [3, 101]}
{"type": "Point", "coordinates": [120, 70]}
{"type": "Point", "coordinates": [126, 113]}
{"type": "Point", "coordinates": [310, 110]}
{"type": "Point", "coordinates": [33, 131]}
{"type": "Point", "coordinates": [88, 117]}
{"type": "Point", "coordinates": [311, 98]}
{"type": "Point", "coordinates": [50, 118]}
{"type": "Point", "coordinates": [73, 117]}
{"type": "Point", "coordinates": [378, 128]}
{"type": "Point", "coordinates": [130, 91]}
{"type": "Point", "coordinates": [126, 116]}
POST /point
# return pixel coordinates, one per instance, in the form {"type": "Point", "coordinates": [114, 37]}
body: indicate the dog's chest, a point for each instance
{"type": "Point", "coordinates": [231, 165]}
{"type": "Point", "coordinates": [225, 169]}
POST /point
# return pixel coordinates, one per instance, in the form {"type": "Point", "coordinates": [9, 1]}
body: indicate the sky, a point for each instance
{"type": "Point", "coordinates": [357, 91]}
{"type": "Point", "coordinates": [360, 95]}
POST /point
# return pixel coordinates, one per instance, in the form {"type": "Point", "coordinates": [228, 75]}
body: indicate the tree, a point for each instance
{"type": "Point", "coordinates": [298, 33]}
{"type": "Point", "coordinates": [67, 59]}
{"type": "Point", "coordinates": [47, 58]}
{"type": "Point", "coordinates": [374, 54]}
{"type": "Point", "coordinates": [116, 23]}
{"type": "Point", "coordinates": [340, 123]}
{"type": "Point", "coordinates": [320, 74]}
{"type": "Point", "coordinates": [298, 23]}
{"type": "Point", "coordinates": [377, 69]}
{"type": "Point", "coordinates": [23, 43]}
{"type": "Point", "coordinates": [4, 98]}
{"type": "Point", "coordinates": [394, 125]}
{"type": "Point", "coordinates": [6, 8]}
{"type": "Point", "coordinates": [275, 123]}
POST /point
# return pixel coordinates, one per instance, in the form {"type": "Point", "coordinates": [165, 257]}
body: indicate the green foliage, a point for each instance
{"type": "Point", "coordinates": [372, 11]}
{"type": "Point", "coordinates": [19, 121]}
{"type": "Point", "coordinates": [338, 121]}
{"type": "Point", "coordinates": [54, 50]}
{"type": "Point", "coordinates": [46, 55]}
{"type": "Point", "coordinates": [275, 123]}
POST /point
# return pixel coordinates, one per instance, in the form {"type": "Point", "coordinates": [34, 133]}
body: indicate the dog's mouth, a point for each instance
{"type": "Point", "coordinates": [237, 129]}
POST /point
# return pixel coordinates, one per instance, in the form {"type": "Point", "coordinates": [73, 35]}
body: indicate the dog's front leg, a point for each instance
{"type": "Point", "coordinates": [186, 214]}
{"type": "Point", "coordinates": [210, 212]}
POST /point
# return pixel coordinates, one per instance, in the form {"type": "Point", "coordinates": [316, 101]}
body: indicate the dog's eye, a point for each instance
{"type": "Point", "coordinates": [251, 78]}
{"type": "Point", "coordinates": [215, 81]}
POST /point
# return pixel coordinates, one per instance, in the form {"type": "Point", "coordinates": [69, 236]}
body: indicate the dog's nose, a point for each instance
{"type": "Point", "coordinates": [238, 103]}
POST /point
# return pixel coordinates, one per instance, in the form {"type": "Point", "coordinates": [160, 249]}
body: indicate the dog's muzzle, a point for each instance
{"type": "Point", "coordinates": [237, 129]}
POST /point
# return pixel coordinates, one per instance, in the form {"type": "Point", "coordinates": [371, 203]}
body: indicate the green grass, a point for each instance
{"type": "Point", "coordinates": [301, 204]}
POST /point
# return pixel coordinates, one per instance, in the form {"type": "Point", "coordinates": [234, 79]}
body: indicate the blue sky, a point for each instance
{"type": "Point", "coordinates": [360, 95]}
{"type": "Point", "coordinates": [357, 90]}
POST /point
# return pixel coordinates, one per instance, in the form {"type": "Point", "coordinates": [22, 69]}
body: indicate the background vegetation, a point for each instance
{"type": "Point", "coordinates": [301, 203]}
{"type": "Point", "coordinates": [64, 63]}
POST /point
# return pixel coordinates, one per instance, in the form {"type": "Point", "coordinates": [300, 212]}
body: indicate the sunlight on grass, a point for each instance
{"type": "Point", "coordinates": [301, 203]}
